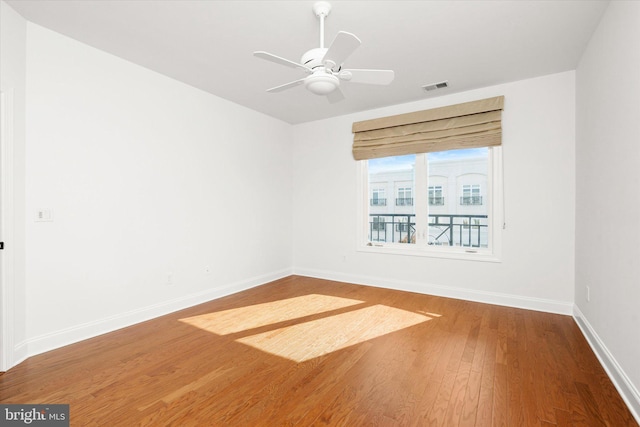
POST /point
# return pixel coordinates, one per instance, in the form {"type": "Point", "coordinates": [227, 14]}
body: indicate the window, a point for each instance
{"type": "Point", "coordinates": [471, 195]}
{"type": "Point", "coordinates": [403, 224]}
{"type": "Point", "coordinates": [421, 156]}
{"type": "Point", "coordinates": [377, 197]}
{"type": "Point", "coordinates": [435, 195]}
{"type": "Point", "coordinates": [429, 227]}
{"type": "Point", "coordinates": [404, 197]}
{"type": "Point", "coordinates": [378, 230]}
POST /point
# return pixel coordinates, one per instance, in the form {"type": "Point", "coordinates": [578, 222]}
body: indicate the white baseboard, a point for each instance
{"type": "Point", "coordinates": [529, 303]}
{"type": "Point", "coordinates": [60, 338]}
{"type": "Point", "coordinates": [623, 384]}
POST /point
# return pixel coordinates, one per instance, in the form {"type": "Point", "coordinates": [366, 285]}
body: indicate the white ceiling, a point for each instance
{"type": "Point", "coordinates": [210, 44]}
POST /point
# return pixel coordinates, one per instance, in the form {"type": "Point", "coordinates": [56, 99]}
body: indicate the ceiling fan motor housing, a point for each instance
{"type": "Point", "coordinates": [313, 58]}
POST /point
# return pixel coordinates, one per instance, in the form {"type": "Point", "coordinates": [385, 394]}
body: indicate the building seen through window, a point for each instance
{"type": "Point", "coordinates": [441, 198]}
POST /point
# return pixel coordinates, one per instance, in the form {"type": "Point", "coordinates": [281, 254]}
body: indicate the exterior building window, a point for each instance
{"type": "Point", "coordinates": [378, 223]}
{"type": "Point", "coordinates": [402, 224]}
{"type": "Point", "coordinates": [420, 222]}
{"type": "Point", "coordinates": [435, 196]}
{"type": "Point", "coordinates": [404, 197]}
{"type": "Point", "coordinates": [377, 197]}
{"type": "Point", "coordinates": [471, 195]}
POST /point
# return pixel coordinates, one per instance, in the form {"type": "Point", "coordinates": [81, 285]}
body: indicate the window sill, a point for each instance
{"type": "Point", "coordinates": [478, 254]}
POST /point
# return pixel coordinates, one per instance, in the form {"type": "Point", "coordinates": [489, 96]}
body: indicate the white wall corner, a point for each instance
{"type": "Point", "coordinates": [620, 380]}
{"type": "Point", "coordinates": [19, 355]}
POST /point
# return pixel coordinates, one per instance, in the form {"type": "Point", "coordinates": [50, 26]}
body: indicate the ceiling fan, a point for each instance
{"type": "Point", "coordinates": [324, 65]}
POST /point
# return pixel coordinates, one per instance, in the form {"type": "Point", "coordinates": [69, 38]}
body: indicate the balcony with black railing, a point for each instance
{"type": "Point", "coordinates": [470, 200]}
{"type": "Point", "coordinates": [444, 230]}
{"type": "Point", "coordinates": [436, 201]}
{"type": "Point", "coordinates": [404, 201]}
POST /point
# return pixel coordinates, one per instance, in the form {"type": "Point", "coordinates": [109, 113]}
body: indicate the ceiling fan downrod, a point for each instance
{"type": "Point", "coordinates": [321, 9]}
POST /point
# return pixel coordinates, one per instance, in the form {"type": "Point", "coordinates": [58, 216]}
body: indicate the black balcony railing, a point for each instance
{"type": "Point", "coordinates": [436, 201]}
{"type": "Point", "coordinates": [444, 230]}
{"type": "Point", "coordinates": [471, 200]}
{"type": "Point", "coordinates": [378, 202]}
{"type": "Point", "coordinates": [404, 201]}
{"type": "Point", "coordinates": [392, 228]}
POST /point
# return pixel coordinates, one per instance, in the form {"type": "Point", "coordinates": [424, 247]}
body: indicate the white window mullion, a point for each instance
{"type": "Point", "coordinates": [496, 198]}
{"type": "Point", "coordinates": [420, 199]}
{"type": "Point", "coordinates": [363, 204]}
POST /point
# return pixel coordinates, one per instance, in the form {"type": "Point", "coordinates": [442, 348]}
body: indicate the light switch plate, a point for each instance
{"type": "Point", "coordinates": [44, 215]}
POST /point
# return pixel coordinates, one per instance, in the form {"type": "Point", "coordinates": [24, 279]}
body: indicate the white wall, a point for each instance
{"type": "Point", "coordinates": [608, 194]}
{"type": "Point", "coordinates": [146, 177]}
{"type": "Point", "coordinates": [13, 30]}
{"type": "Point", "coordinates": [537, 270]}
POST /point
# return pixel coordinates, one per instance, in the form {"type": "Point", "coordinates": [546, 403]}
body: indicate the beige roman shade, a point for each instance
{"type": "Point", "coordinates": [469, 125]}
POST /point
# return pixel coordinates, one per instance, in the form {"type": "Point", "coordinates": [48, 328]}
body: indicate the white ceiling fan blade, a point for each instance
{"type": "Point", "coordinates": [373, 77]}
{"type": "Point", "coordinates": [335, 96]}
{"type": "Point", "coordinates": [341, 47]}
{"type": "Point", "coordinates": [286, 86]}
{"type": "Point", "coordinates": [282, 61]}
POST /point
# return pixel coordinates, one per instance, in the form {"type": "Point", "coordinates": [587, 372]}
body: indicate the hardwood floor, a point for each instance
{"type": "Point", "coordinates": [303, 351]}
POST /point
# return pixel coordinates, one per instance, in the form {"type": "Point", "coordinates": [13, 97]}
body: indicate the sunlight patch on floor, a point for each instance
{"type": "Point", "coordinates": [315, 338]}
{"type": "Point", "coordinates": [258, 315]}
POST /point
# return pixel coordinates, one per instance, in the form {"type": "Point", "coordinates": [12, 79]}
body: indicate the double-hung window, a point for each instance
{"type": "Point", "coordinates": [377, 196]}
{"type": "Point", "coordinates": [404, 197]}
{"type": "Point", "coordinates": [435, 195]}
{"type": "Point", "coordinates": [468, 222]}
{"type": "Point", "coordinates": [471, 195]}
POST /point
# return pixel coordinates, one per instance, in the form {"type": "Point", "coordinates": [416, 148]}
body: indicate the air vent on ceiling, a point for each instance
{"type": "Point", "coordinates": [434, 86]}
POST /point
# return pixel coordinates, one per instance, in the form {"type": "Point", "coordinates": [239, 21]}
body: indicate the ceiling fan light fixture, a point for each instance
{"type": "Point", "coordinates": [324, 65]}
{"type": "Point", "coordinates": [321, 83]}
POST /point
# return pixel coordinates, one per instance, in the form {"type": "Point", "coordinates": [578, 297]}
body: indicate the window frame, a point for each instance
{"type": "Point", "coordinates": [376, 200]}
{"type": "Point", "coordinates": [495, 211]}
{"type": "Point", "coordinates": [432, 190]}
{"type": "Point", "coordinates": [401, 196]}
{"type": "Point", "coordinates": [471, 195]}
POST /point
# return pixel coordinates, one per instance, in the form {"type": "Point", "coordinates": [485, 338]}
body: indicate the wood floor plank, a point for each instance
{"type": "Point", "coordinates": [351, 355]}
{"type": "Point", "coordinates": [471, 399]}
{"type": "Point", "coordinates": [563, 418]}
{"type": "Point", "coordinates": [500, 402]}
{"type": "Point", "coordinates": [457, 398]}
{"type": "Point", "coordinates": [590, 404]}
{"type": "Point", "coordinates": [485, 399]}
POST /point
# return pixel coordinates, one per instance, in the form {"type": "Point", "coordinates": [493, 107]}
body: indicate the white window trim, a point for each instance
{"type": "Point", "coordinates": [496, 220]}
